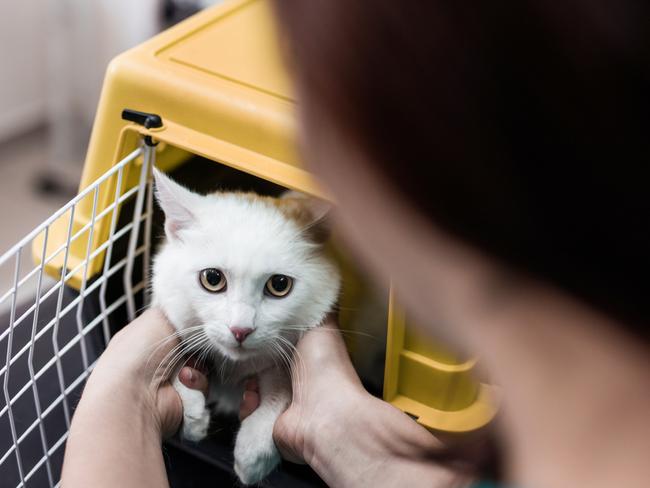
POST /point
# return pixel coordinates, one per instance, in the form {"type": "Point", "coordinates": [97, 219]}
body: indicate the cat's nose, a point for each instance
{"type": "Point", "coordinates": [241, 333]}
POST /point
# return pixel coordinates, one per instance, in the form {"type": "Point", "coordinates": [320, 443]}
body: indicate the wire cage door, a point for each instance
{"type": "Point", "coordinates": [53, 329]}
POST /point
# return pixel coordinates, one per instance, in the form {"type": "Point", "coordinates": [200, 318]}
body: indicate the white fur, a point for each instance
{"type": "Point", "coordinates": [249, 240]}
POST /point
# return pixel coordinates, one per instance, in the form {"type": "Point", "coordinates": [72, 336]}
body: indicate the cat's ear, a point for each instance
{"type": "Point", "coordinates": [176, 202]}
{"type": "Point", "coordinates": [310, 213]}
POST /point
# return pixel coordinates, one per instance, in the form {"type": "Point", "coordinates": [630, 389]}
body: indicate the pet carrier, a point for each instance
{"type": "Point", "coordinates": [209, 100]}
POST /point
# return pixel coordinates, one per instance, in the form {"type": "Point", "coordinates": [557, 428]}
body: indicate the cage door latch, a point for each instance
{"type": "Point", "coordinates": [145, 119]}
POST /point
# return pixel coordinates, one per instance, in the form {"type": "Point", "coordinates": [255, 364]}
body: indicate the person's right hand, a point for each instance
{"type": "Point", "coordinates": [349, 437]}
{"type": "Point", "coordinates": [327, 392]}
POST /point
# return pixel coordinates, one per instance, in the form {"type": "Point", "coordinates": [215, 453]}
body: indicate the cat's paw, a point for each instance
{"type": "Point", "coordinates": [196, 417]}
{"type": "Point", "coordinates": [254, 460]}
{"type": "Point", "coordinates": [195, 427]}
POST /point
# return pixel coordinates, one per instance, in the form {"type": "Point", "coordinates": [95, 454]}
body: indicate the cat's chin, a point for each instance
{"type": "Point", "coordinates": [236, 353]}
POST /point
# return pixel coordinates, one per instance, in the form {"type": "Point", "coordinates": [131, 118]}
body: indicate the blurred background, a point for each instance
{"type": "Point", "coordinates": [53, 55]}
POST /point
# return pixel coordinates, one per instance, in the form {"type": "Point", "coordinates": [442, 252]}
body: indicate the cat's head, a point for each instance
{"type": "Point", "coordinates": [251, 271]}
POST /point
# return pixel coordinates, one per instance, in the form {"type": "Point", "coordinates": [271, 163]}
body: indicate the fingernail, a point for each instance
{"type": "Point", "coordinates": [190, 375]}
{"type": "Point", "coordinates": [246, 395]}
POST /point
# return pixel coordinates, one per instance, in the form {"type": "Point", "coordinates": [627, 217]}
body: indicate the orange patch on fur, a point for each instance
{"type": "Point", "coordinates": [299, 208]}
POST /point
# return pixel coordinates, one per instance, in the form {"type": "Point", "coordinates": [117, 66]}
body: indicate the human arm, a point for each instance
{"type": "Point", "coordinates": [349, 437]}
{"type": "Point", "coordinates": [116, 432]}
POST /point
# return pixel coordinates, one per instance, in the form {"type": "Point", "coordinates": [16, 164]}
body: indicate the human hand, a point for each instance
{"type": "Point", "coordinates": [137, 361]}
{"type": "Point", "coordinates": [326, 392]}
{"type": "Point", "coordinates": [349, 437]}
{"type": "Point", "coordinates": [127, 406]}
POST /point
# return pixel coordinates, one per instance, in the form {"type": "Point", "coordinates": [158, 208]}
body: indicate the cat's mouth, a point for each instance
{"type": "Point", "coordinates": [236, 352]}
{"type": "Point", "coordinates": [231, 349]}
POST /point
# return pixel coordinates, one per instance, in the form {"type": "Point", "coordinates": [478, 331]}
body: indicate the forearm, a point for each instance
{"type": "Point", "coordinates": [115, 436]}
{"type": "Point", "coordinates": [379, 446]}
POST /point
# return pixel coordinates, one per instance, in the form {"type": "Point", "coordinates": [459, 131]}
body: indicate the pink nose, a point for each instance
{"type": "Point", "coordinates": [241, 333]}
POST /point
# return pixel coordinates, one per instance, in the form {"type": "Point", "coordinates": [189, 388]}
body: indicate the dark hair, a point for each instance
{"type": "Point", "coordinates": [522, 127]}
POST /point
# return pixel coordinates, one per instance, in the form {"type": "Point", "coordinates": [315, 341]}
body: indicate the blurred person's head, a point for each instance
{"type": "Point", "coordinates": [520, 130]}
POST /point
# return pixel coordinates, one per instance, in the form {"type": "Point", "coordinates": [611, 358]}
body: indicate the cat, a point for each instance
{"type": "Point", "coordinates": [242, 276]}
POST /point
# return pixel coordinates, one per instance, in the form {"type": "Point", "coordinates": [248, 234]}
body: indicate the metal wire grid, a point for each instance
{"type": "Point", "coordinates": [52, 358]}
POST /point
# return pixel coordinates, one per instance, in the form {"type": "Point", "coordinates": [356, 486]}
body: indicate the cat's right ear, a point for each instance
{"type": "Point", "coordinates": [176, 202]}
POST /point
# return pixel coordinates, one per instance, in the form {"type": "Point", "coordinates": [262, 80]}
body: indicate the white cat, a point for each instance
{"type": "Point", "coordinates": [244, 276]}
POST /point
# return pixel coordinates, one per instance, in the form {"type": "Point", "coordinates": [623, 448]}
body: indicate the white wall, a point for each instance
{"type": "Point", "coordinates": [23, 43]}
{"type": "Point", "coordinates": [59, 49]}
{"type": "Point", "coordinates": [83, 36]}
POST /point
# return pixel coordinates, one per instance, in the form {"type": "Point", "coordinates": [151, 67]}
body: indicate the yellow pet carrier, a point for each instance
{"type": "Point", "coordinates": [209, 100]}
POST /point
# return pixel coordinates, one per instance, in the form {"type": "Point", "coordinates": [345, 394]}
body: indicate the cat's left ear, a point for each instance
{"type": "Point", "coordinates": [178, 204]}
{"type": "Point", "coordinates": [310, 213]}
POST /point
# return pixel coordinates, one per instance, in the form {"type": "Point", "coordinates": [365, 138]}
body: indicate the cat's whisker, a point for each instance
{"type": "Point", "coordinates": [286, 360]}
{"type": "Point", "coordinates": [295, 360]}
{"type": "Point", "coordinates": [226, 369]}
{"type": "Point", "coordinates": [278, 353]}
{"type": "Point", "coordinates": [287, 355]}
{"type": "Point", "coordinates": [205, 353]}
{"type": "Point", "coordinates": [195, 344]}
{"type": "Point", "coordinates": [143, 307]}
{"type": "Point", "coordinates": [305, 328]}
{"type": "Point", "coordinates": [171, 336]}
{"type": "Point", "coordinates": [298, 362]}
{"type": "Point", "coordinates": [176, 354]}
{"type": "Point", "coordinates": [157, 345]}
{"type": "Point", "coordinates": [197, 349]}
{"type": "Point", "coordinates": [163, 363]}
{"type": "Point", "coordinates": [347, 309]}
{"type": "Point", "coordinates": [272, 355]}
{"type": "Point", "coordinates": [162, 372]}
{"type": "Point", "coordinates": [298, 369]}
{"type": "Point", "coordinates": [200, 354]}
{"type": "Point", "coordinates": [222, 369]}
{"type": "Point", "coordinates": [181, 356]}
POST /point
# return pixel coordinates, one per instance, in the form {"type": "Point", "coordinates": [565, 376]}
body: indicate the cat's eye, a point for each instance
{"type": "Point", "coordinates": [213, 280]}
{"type": "Point", "coordinates": [278, 285]}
